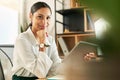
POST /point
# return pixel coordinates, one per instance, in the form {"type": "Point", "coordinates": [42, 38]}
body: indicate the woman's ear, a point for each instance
{"type": "Point", "coordinates": [30, 16]}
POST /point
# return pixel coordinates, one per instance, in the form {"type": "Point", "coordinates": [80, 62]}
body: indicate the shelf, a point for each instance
{"type": "Point", "coordinates": [70, 11]}
{"type": "Point", "coordinates": [74, 33]}
{"type": "Point", "coordinates": [68, 35]}
{"type": "Point", "coordinates": [72, 25]}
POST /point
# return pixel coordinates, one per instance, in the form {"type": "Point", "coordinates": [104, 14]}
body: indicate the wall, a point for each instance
{"type": "Point", "coordinates": [10, 3]}
{"type": "Point", "coordinates": [8, 21]}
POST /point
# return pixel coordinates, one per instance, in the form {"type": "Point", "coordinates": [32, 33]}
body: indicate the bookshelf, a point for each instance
{"type": "Point", "coordinates": [73, 24]}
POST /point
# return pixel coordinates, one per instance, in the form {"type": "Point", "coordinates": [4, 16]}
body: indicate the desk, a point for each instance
{"type": "Point", "coordinates": [42, 79]}
{"type": "Point", "coordinates": [57, 77]}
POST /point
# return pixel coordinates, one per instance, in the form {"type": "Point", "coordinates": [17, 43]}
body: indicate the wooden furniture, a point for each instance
{"type": "Point", "coordinates": [72, 39]}
{"type": "Point", "coordinates": [72, 25]}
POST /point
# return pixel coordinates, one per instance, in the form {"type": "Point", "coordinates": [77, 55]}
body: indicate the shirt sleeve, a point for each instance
{"type": "Point", "coordinates": [37, 63]}
{"type": "Point", "coordinates": [55, 58]}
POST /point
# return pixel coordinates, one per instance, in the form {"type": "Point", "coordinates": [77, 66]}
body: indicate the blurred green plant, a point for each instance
{"type": "Point", "coordinates": [110, 10]}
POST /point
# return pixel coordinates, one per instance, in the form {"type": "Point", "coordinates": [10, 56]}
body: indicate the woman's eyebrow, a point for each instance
{"type": "Point", "coordinates": [39, 14]}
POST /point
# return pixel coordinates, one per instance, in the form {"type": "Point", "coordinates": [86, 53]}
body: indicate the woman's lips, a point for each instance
{"type": "Point", "coordinates": [42, 27]}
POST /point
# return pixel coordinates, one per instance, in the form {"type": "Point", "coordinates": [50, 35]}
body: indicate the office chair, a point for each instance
{"type": "Point", "coordinates": [4, 53]}
{"type": "Point", "coordinates": [6, 64]}
{"type": "Point", "coordinates": [1, 72]}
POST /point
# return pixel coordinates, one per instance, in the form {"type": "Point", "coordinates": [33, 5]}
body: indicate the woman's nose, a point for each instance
{"type": "Point", "coordinates": [44, 22]}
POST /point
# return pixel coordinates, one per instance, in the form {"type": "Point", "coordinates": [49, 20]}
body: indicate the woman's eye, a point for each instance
{"type": "Point", "coordinates": [48, 18]}
{"type": "Point", "coordinates": [40, 17]}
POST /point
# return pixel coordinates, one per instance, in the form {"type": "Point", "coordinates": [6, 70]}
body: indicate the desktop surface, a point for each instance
{"type": "Point", "coordinates": [56, 77]}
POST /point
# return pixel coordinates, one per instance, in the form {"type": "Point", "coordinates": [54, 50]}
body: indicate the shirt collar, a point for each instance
{"type": "Point", "coordinates": [31, 36]}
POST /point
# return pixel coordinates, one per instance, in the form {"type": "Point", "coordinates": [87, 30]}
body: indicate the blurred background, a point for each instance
{"type": "Point", "coordinates": [109, 10]}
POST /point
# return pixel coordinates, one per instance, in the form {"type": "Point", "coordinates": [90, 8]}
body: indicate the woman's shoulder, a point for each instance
{"type": "Point", "coordinates": [22, 35]}
{"type": "Point", "coordinates": [22, 38]}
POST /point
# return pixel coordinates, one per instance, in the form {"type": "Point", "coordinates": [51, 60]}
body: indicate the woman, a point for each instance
{"type": "Point", "coordinates": [35, 53]}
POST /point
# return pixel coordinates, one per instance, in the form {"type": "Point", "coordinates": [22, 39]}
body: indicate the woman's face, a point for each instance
{"type": "Point", "coordinates": [40, 19]}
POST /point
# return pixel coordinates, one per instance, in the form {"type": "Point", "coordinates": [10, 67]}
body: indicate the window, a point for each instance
{"type": "Point", "coordinates": [8, 24]}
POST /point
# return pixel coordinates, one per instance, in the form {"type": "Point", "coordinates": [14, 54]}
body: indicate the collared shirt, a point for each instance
{"type": "Point", "coordinates": [29, 61]}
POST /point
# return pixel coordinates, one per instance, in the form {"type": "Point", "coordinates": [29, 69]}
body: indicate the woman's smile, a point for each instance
{"type": "Point", "coordinates": [42, 27]}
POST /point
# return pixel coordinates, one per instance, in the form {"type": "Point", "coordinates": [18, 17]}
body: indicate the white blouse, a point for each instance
{"type": "Point", "coordinates": [29, 61]}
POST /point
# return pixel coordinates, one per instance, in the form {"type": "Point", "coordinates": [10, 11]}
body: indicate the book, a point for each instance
{"type": "Point", "coordinates": [90, 22]}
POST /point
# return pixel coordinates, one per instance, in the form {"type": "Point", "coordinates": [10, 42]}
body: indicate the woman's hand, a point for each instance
{"type": "Point", "coordinates": [41, 39]}
{"type": "Point", "coordinates": [41, 34]}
